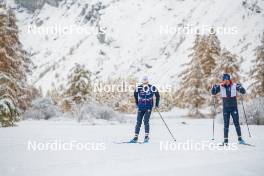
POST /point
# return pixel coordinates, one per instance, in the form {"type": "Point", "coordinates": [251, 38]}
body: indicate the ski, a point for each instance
{"type": "Point", "coordinates": [127, 142]}
{"type": "Point", "coordinates": [251, 145]}
{"type": "Point", "coordinates": [247, 144]}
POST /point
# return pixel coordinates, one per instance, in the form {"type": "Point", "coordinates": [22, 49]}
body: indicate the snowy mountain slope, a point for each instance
{"type": "Point", "coordinates": [136, 41]}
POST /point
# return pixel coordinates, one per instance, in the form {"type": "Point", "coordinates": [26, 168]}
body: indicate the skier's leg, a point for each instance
{"type": "Point", "coordinates": [146, 124]}
{"type": "Point", "coordinates": [235, 117]}
{"type": "Point", "coordinates": [140, 116]}
{"type": "Point", "coordinates": [146, 121]}
{"type": "Point", "coordinates": [226, 115]}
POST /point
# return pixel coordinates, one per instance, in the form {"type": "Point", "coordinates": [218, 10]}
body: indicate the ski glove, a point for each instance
{"type": "Point", "coordinates": [215, 89]}
{"type": "Point", "coordinates": [240, 89]}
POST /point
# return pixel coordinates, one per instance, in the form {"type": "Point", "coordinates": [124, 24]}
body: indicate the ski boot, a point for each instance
{"type": "Point", "coordinates": [146, 139]}
{"type": "Point", "coordinates": [134, 140]}
{"type": "Point", "coordinates": [225, 143]}
{"type": "Point", "coordinates": [241, 141]}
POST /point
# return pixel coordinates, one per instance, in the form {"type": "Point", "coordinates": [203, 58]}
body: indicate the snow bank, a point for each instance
{"type": "Point", "coordinates": [89, 113]}
{"type": "Point", "coordinates": [94, 112]}
{"type": "Point", "coordinates": [254, 111]}
{"type": "Point", "coordinates": [42, 108]}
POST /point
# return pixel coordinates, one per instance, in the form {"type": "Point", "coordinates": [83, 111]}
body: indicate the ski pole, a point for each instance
{"type": "Point", "coordinates": [245, 115]}
{"type": "Point", "coordinates": [166, 125]}
{"type": "Point", "coordinates": [214, 117]}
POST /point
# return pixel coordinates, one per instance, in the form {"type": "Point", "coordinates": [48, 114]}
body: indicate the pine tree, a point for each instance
{"type": "Point", "coordinates": [257, 72]}
{"type": "Point", "coordinates": [14, 92]}
{"type": "Point", "coordinates": [210, 52]}
{"type": "Point", "coordinates": [119, 100]}
{"type": "Point", "coordinates": [228, 63]}
{"type": "Point", "coordinates": [79, 84]}
{"type": "Point", "coordinates": [192, 93]}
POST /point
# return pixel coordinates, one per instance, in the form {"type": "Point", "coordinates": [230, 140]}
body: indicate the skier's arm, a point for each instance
{"type": "Point", "coordinates": [136, 96]}
{"type": "Point", "coordinates": [240, 89]}
{"type": "Point", "coordinates": [157, 95]}
{"type": "Point", "coordinates": [215, 89]}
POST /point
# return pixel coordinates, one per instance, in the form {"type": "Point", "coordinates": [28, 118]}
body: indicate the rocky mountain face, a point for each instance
{"type": "Point", "coordinates": [127, 38]}
{"type": "Point", "coordinates": [32, 5]}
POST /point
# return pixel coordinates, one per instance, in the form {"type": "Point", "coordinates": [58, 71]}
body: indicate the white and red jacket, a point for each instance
{"type": "Point", "coordinates": [228, 93]}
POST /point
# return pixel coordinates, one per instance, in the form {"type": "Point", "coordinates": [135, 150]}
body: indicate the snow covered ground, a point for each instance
{"type": "Point", "coordinates": [126, 159]}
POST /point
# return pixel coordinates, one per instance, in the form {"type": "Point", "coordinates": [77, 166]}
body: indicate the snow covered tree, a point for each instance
{"type": "Point", "coordinates": [192, 93]}
{"type": "Point", "coordinates": [228, 63]}
{"type": "Point", "coordinates": [122, 101]}
{"type": "Point", "coordinates": [254, 111]}
{"type": "Point", "coordinates": [257, 72]}
{"type": "Point", "coordinates": [167, 101]}
{"type": "Point", "coordinates": [15, 94]}
{"type": "Point", "coordinates": [209, 53]}
{"type": "Point", "coordinates": [79, 85]}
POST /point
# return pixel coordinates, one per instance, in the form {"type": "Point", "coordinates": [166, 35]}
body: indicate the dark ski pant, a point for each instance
{"type": "Point", "coordinates": [234, 113]}
{"type": "Point", "coordinates": [146, 115]}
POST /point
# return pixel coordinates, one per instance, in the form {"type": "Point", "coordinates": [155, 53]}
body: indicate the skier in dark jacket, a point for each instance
{"type": "Point", "coordinates": [144, 94]}
{"type": "Point", "coordinates": [228, 91]}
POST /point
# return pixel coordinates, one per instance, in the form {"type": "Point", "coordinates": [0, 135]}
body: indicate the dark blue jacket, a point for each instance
{"type": "Point", "coordinates": [228, 101]}
{"type": "Point", "coordinates": [144, 96]}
